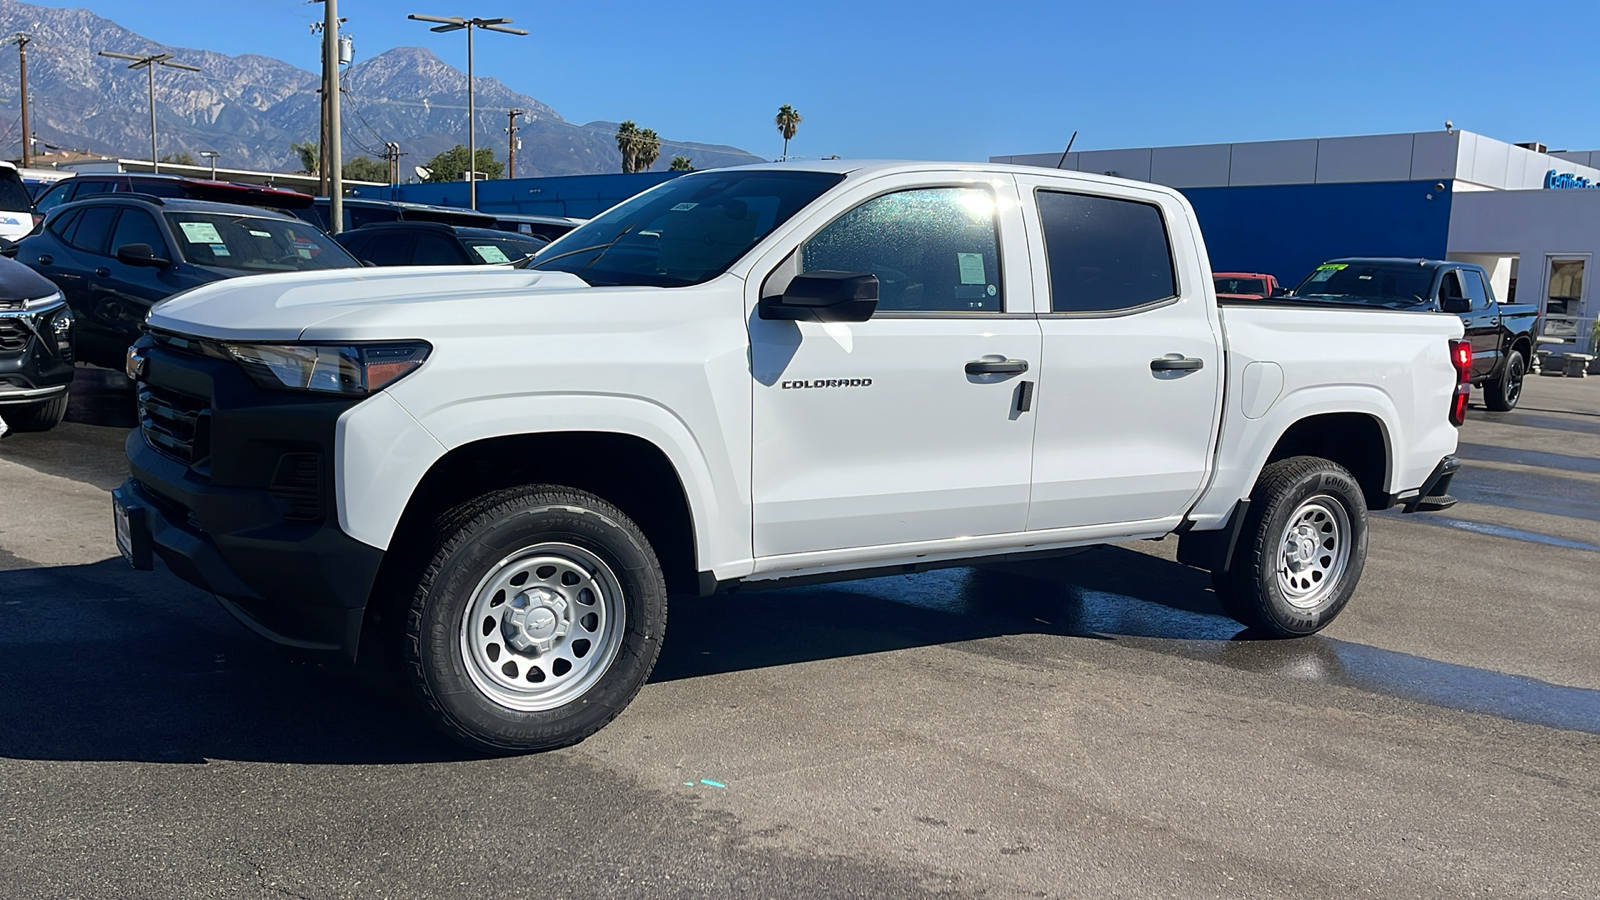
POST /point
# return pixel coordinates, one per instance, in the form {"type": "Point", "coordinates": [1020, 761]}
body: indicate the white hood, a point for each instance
{"type": "Point", "coordinates": [286, 307]}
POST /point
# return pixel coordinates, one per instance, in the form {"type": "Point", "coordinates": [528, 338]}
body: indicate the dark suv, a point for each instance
{"type": "Point", "coordinates": [81, 187]}
{"type": "Point", "coordinates": [35, 350]}
{"type": "Point", "coordinates": [433, 244]}
{"type": "Point", "coordinates": [116, 256]}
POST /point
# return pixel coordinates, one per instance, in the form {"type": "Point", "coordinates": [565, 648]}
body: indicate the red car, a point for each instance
{"type": "Point", "coordinates": [1245, 286]}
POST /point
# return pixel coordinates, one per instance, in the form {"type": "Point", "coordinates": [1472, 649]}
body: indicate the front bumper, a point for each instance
{"type": "Point", "coordinates": [35, 364]}
{"type": "Point", "coordinates": [245, 508]}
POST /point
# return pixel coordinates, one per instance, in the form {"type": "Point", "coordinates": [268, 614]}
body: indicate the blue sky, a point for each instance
{"type": "Point", "coordinates": [941, 80]}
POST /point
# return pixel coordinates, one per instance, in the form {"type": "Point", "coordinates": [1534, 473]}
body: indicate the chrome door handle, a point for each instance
{"type": "Point", "coordinates": [997, 366]}
{"type": "Point", "coordinates": [1175, 363]}
{"type": "Point", "coordinates": [102, 272]}
{"type": "Point", "coordinates": [46, 259]}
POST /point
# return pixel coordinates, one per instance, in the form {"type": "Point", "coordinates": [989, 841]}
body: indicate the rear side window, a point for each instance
{"type": "Point", "coordinates": [1104, 254]}
{"type": "Point", "coordinates": [94, 227]}
{"type": "Point", "coordinates": [388, 249]}
{"type": "Point", "coordinates": [61, 226]}
{"type": "Point", "coordinates": [1477, 292]}
{"type": "Point", "coordinates": [435, 250]}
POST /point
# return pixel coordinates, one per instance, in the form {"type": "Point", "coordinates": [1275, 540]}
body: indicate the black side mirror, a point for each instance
{"type": "Point", "coordinates": [824, 296]}
{"type": "Point", "coordinates": [1455, 304]}
{"type": "Point", "coordinates": [141, 255]}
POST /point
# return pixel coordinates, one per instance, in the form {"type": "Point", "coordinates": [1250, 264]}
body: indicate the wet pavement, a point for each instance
{"type": "Point", "coordinates": [1088, 726]}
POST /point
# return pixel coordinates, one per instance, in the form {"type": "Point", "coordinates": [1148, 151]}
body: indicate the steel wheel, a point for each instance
{"type": "Point", "coordinates": [1313, 551]}
{"type": "Point", "coordinates": [542, 627]}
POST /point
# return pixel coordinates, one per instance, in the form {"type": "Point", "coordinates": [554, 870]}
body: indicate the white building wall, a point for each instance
{"type": "Point", "coordinates": [1529, 227]}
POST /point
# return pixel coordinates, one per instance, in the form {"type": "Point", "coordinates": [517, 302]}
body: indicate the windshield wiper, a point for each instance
{"type": "Point", "coordinates": [601, 247]}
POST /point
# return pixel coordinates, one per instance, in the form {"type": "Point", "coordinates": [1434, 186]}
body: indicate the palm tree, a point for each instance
{"type": "Point", "coordinates": [628, 145]}
{"type": "Point", "coordinates": [681, 164]}
{"type": "Point", "coordinates": [788, 123]}
{"type": "Point", "coordinates": [649, 150]}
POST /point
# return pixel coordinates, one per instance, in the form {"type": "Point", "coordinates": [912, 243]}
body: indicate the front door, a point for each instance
{"type": "Point", "coordinates": [1130, 395]}
{"type": "Point", "coordinates": [879, 432]}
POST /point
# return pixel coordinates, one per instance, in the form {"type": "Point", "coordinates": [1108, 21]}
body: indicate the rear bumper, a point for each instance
{"type": "Point", "coordinates": [1434, 495]}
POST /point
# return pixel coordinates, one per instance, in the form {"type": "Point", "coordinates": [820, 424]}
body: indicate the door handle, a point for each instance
{"type": "Point", "coordinates": [102, 272]}
{"type": "Point", "coordinates": [46, 259]}
{"type": "Point", "coordinates": [1176, 363]}
{"type": "Point", "coordinates": [997, 366]}
{"type": "Point", "coordinates": [1495, 321]}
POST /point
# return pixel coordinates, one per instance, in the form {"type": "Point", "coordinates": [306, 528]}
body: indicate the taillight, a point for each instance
{"type": "Point", "coordinates": [1461, 358]}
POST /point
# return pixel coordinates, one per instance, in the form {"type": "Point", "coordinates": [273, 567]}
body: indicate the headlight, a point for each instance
{"type": "Point", "coordinates": [62, 323]}
{"type": "Point", "coordinates": [334, 368]}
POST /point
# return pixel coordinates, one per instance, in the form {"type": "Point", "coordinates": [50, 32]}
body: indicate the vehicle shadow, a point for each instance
{"type": "Point", "coordinates": [87, 446]}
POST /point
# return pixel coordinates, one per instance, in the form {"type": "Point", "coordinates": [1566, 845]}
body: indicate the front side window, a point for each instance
{"type": "Point", "coordinates": [1104, 254]}
{"type": "Point", "coordinates": [135, 226]}
{"type": "Point", "coordinates": [686, 231]}
{"type": "Point", "coordinates": [932, 249]}
{"type": "Point", "coordinates": [254, 244]}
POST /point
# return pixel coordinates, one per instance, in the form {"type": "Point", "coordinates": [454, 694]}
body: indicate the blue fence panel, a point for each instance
{"type": "Point", "coordinates": [579, 196]}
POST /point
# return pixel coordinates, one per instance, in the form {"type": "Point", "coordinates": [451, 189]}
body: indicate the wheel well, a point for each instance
{"type": "Point", "coordinates": [1353, 440]}
{"type": "Point", "coordinates": [626, 470]}
{"type": "Point", "coordinates": [1523, 344]}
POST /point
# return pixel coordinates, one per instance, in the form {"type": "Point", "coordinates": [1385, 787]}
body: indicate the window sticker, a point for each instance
{"type": "Point", "coordinates": [489, 253]}
{"type": "Point", "coordinates": [200, 233]}
{"type": "Point", "coordinates": [261, 234]}
{"type": "Point", "coordinates": [972, 271]}
{"type": "Point", "coordinates": [684, 207]}
{"type": "Point", "coordinates": [1326, 271]}
{"type": "Point", "coordinates": [220, 249]}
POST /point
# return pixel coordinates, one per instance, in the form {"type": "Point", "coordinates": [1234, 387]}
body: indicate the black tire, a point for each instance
{"type": "Point", "coordinates": [475, 544]}
{"type": "Point", "coordinates": [41, 416]}
{"type": "Point", "coordinates": [1501, 394]}
{"type": "Point", "coordinates": [1273, 586]}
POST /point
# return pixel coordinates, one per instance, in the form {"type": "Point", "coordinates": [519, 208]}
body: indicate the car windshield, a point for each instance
{"type": "Point", "coordinates": [1396, 285]}
{"type": "Point", "coordinates": [1241, 286]}
{"type": "Point", "coordinates": [686, 231]}
{"type": "Point", "coordinates": [502, 250]}
{"type": "Point", "coordinates": [255, 244]}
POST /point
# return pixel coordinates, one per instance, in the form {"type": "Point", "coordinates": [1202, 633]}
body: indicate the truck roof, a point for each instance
{"type": "Point", "coordinates": [863, 167]}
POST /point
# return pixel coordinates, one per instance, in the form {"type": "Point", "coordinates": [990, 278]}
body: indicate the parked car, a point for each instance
{"type": "Point", "coordinates": [16, 204]}
{"type": "Point", "coordinates": [35, 350]}
{"type": "Point", "coordinates": [435, 244]}
{"type": "Point", "coordinates": [1245, 286]}
{"type": "Point", "coordinates": [92, 184]}
{"type": "Point", "coordinates": [361, 213]}
{"type": "Point", "coordinates": [115, 256]}
{"type": "Point", "coordinates": [755, 374]}
{"type": "Point", "coordinates": [547, 227]}
{"type": "Point", "coordinates": [1501, 334]}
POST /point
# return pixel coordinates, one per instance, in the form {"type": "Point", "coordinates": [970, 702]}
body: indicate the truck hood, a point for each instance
{"type": "Point", "coordinates": [285, 307]}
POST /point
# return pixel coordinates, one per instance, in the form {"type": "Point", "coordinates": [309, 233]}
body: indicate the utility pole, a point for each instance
{"type": "Point", "coordinates": [511, 147]}
{"type": "Point", "coordinates": [456, 23]}
{"type": "Point", "coordinates": [149, 63]}
{"type": "Point", "coordinates": [334, 145]}
{"type": "Point", "coordinates": [21, 39]}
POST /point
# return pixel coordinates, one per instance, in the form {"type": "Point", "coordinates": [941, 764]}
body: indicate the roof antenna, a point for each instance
{"type": "Point", "coordinates": [1068, 150]}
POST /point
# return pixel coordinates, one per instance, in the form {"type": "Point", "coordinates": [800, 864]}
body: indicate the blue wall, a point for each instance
{"type": "Point", "coordinates": [1286, 230]}
{"type": "Point", "coordinates": [580, 196]}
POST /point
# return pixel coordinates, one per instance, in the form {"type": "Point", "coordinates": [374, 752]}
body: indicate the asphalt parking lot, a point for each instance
{"type": "Point", "coordinates": [1086, 727]}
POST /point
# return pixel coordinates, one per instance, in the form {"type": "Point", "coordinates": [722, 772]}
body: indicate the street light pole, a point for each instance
{"type": "Point", "coordinates": [149, 63]}
{"type": "Point", "coordinates": [211, 155]}
{"type": "Point", "coordinates": [456, 23]}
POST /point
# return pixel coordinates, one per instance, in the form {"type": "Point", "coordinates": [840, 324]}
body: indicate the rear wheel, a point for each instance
{"type": "Point", "coordinates": [41, 416]}
{"type": "Point", "coordinates": [1301, 550]}
{"type": "Point", "coordinates": [1501, 394]}
{"type": "Point", "coordinates": [538, 618]}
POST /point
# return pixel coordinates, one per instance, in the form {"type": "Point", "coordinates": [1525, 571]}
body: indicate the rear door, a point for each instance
{"type": "Point", "coordinates": [877, 433]}
{"type": "Point", "coordinates": [1130, 391]}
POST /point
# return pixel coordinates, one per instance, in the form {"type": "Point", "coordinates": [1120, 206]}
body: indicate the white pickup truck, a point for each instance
{"type": "Point", "coordinates": [749, 375]}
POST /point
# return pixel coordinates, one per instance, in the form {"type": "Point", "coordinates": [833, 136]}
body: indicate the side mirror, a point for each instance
{"type": "Point", "coordinates": [1455, 304]}
{"type": "Point", "coordinates": [141, 255]}
{"type": "Point", "coordinates": [824, 296]}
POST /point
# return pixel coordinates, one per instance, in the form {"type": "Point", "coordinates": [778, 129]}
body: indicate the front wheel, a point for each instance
{"type": "Point", "coordinates": [1501, 394]}
{"type": "Point", "coordinates": [1301, 549]}
{"type": "Point", "coordinates": [537, 619]}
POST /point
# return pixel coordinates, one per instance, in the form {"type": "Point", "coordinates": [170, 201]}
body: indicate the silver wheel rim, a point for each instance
{"type": "Point", "coordinates": [542, 627]}
{"type": "Point", "coordinates": [1313, 552]}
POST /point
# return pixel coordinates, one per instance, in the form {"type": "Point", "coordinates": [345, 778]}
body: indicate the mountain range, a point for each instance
{"type": "Point", "coordinates": [250, 108]}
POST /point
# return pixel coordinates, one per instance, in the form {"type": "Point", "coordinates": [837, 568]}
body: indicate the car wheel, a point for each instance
{"type": "Point", "coordinates": [41, 416]}
{"type": "Point", "coordinates": [537, 619]}
{"type": "Point", "coordinates": [1501, 394]}
{"type": "Point", "coordinates": [1301, 549]}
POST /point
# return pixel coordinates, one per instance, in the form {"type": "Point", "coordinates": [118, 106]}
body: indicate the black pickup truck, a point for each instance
{"type": "Point", "coordinates": [1501, 334]}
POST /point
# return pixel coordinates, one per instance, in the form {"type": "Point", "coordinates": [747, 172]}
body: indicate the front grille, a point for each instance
{"type": "Point", "coordinates": [13, 335]}
{"type": "Point", "coordinates": [297, 486]}
{"type": "Point", "coordinates": [176, 424]}
{"type": "Point", "coordinates": [12, 304]}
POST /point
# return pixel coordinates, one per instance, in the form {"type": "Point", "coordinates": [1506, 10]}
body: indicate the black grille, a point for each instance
{"type": "Point", "coordinates": [176, 424]}
{"type": "Point", "coordinates": [297, 485]}
{"type": "Point", "coordinates": [13, 335]}
{"type": "Point", "coordinates": [12, 304]}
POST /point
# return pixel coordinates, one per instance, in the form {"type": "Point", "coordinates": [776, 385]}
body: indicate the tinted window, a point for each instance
{"type": "Point", "coordinates": [1476, 291]}
{"type": "Point", "coordinates": [1104, 254]}
{"type": "Point", "coordinates": [255, 244]}
{"type": "Point", "coordinates": [1241, 286]}
{"type": "Point", "coordinates": [686, 231]}
{"type": "Point", "coordinates": [138, 227]}
{"type": "Point", "coordinates": [933, 250]}
{"type": "Point", "coordinates": [61, 226]}
{"type": "Point", "coordinates": [387, 249]}
{"type": "Point", "coordinates": [1395, 285]}
{"type": "Point", "coordinates": [94, 227]}
{"type": "Point", "coordinates": [85, 188]}
{"type": "Point", "coordinates": [155, 188]}
{"type": "Point", "coordinates": [357, 216]}
{"type": "Point", "coordinates": [435, 250]}
{"type": "Point", "coordinates": [14, 195]}
{"type": "Point", "coordinates": [53, 197]}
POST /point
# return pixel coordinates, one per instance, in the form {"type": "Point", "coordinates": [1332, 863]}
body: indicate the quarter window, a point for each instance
{"type": "Point", "coordinates": [1104, 254]}
{"type": "Point", "coordinates": [932, 249]}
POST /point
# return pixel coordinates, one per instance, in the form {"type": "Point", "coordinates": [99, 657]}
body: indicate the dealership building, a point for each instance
{"type": "Point", "coordinates": [1530, 216]}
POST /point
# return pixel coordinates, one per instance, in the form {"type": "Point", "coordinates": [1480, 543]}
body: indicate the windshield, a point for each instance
{"type": "Point", "coordinates": [1241, 286]}
{"type": "Point", "coordinates": [1371, 284]}
{"type": "Point", "coordinates": [255, 244]}
{"type": "Point", "coordinates": [686, 231]}
{"type": "Point", "coordinates": [498, 250]}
